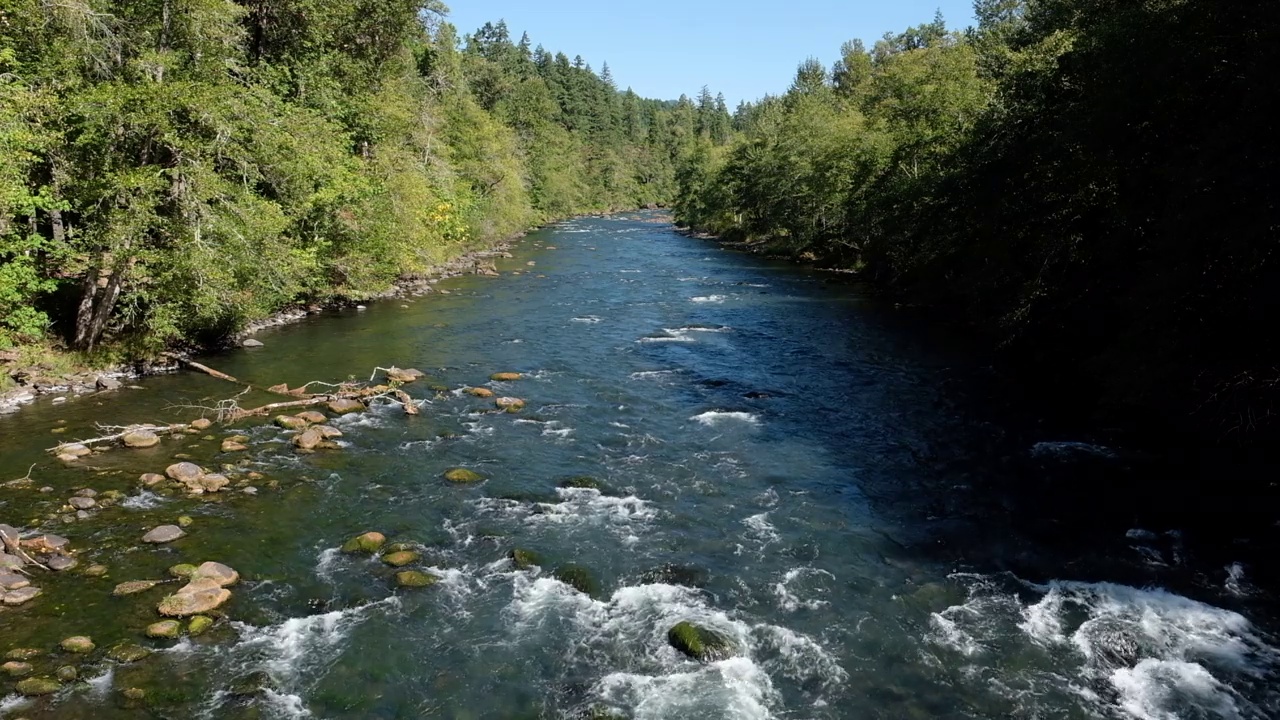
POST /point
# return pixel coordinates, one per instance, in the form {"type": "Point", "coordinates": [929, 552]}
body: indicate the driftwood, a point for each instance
{"type": "Point", "coordinates": [11, 544]}
{"type": "Point", "coordinates": [202, 368]}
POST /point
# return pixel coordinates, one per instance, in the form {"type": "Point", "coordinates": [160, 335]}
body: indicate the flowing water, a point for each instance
{"type": "Point", "coordinates": [785, 461]}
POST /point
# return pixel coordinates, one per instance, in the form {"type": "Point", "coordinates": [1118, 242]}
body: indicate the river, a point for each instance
{"type": "Point", "coordinates": [785, 460]}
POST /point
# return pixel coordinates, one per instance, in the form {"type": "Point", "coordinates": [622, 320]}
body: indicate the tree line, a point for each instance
{"type": "Point", "coordinates": [1091, 182]}
{"type": "Point", "coordinates": [173, 169]}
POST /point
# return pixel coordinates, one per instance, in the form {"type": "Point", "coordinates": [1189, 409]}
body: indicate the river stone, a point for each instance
{"type": "Point", "coordinates": [342, 406]}
{"type": "Point", "coordinates": [163, 534]}
{"type": "Point", "coordinates": [37, 686]}
{"type": "Point", "coordinates": [308, 439]}
{"type": "Point", "coordinates": [185, 521]}
{"type": "Point", "coordinates": [46, 543]}
{"type": "Point", "coordinates": [82, 503]}
{"type": "Point", "coordinates": [505, 376]}
{"type": "Point", "coordinates": [462, 476]}
{"type": "Point", "coordinates": [182, 570]}
{"type": "Point", "coordinates": [699, 643]}
{"type": "Point", "coordinates": [107, 383]}
{"type": "Point", "coordinates": [133, 587]}
{"type": "Point", "coordinates": [184, 472]}
{"type": "Point", "coordinates": [214, 482]}
{"type": "Point", "coordinates": [165, 629]}
{"type": "Point", "coordinates": [366, 543]}
{"type": "Point", "coordinates": [233, 446]}
{"type": "Point", "coordinates": [12, 581]}
{"type": "Point", "coordinates": [67, 674]}
{"type": "Point", "coordinates": [58, 563]}
{"type": "Point", "coordinates": [217, 572]}
{"type": "Point", "coordinates": [78, 644]}
{"type": "Point", "coordinates": [199, 625]}
{"type": "Point", "coordinates": [328, 432]}
{"type": "Point", "coordinates": [524, 559]}
{"type": "Point", "coordinates": [195, 598]}
{"type": "Point", "coordinates": [404, 376]}
{"type": "Point", "coordinates": [140, 439]}
{"type": "Point", "coordinates": [201, 424]}
{"type": "Point", "coordinates": [21, 596]}
{"type": "Point", "coordinates": [16, 668]}
{"type": "Point", "coordinates": [578, 578]}
{"type": "Point", "coordinates": [96, 570]}
{"type": "Point", "coordinates": [479, 392]}
{"type": "Point", "coordinates": [151, 479]}
{"type": "Point", "coordinates": [251, 343]}
{"type": "Point", "coordinates": [290, 422]}
{"type": "Point", "coordinates": [510, 404]}
{"type": "Point", "coordinates": [312, 416]}
{"type": "Point", "coordinates": [127, 653]}
{"type": "Point", "coordinates": [402, 558]}
{"type": "Point", "coordinates": [415, 579]}
{"type": "Point", "coordinates": [23, 654]}
{"type": "Point", "coordinates": [74, 450]}
{"type": "Point", "coordinates": [67, 457]}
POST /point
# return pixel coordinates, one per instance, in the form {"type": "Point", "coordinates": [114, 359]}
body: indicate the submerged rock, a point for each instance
{"type": "Point", "coordinates": [328, 432]}
{"type": "Point", "coordinates": [163, 534]}
{"type": "Point", "coordinates": [229, 445]}
{"type": "Point", "coordinates": [150, 479]}
{"type": "Point", "coordinates": [479, 392]}
{"type": "Point", "coordinates": [59, 563]}
{"type": "Point", "coordinates": [199, 625]}
{"type": "Point", "coordinates": [369, 543]}
{"type": "Point", "coordinates": [401, 558]}
{"type": "Point", "coordinates": [165, 629]}
{"type": "Point", "coordinates": [404, 376]}
{"type": "Point", "coordinates": [67, 674]}
{"type": "Point", "coordinates": [195, 598]}
{"type": "Point", "coordinates": [140, 439]}
{"type": "Point", "coordinates": [37, 686]}
{"type": "Point", "coordinates": [21, 596]}
{"type": "Point", "coordinates": [582, 481]}
{"type": "Point", "coordinates": [671, 574]}
{"type": "Point", "coordinates": [46, 544]}
{"type": "Point", "coordinates": [182, 570]}
{"type": "Point", "coordinates": [342, 406]}
{"type": "Point", "coordinates": [510, 404]}
{"type": "Point", "coordinates": [415, 579]}
{"type": "Point", "coordinates": [96, 570]}
{"type": "Point", "coordinates": [579, 578]}
{"type": "Point", "coordinates": [75, 450]}
{"type": "Point", "coordinates": [524, 559]}
{"type": "Point", "coordinates": [699, 643]}
{"type": "Point", "coordinates": [201, 424]}
{"type": "Point", "coordinates": [133, 587]}
{"type": "Point", "coordinates": [78, 644]}
{"type": "Point", "coordinates": [127, 653]}
{"type": "Point", "coordinates": [23, 654]}
{"type": "Point", "coordinates": [462, 475]}
{"type": "Point", "coordinates": [16, 668]}
{"type": "Point", "coordinates": [505, 376]}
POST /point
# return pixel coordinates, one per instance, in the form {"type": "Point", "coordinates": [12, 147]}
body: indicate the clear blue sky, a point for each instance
{"type": "Point", "coordinates": [743, 48]}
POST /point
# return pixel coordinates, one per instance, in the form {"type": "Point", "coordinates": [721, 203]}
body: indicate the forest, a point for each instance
{"type": "Point", "coordinates": [171, 170]}
{"type": "Point", "coordinates": [1090, 184]}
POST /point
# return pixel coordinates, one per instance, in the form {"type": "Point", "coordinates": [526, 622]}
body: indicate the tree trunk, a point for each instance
{"type": "Point", "coordinates": [84, 313]}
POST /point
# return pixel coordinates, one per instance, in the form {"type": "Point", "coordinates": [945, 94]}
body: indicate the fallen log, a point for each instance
{"type": "Point", "coordinates": [202, 368]}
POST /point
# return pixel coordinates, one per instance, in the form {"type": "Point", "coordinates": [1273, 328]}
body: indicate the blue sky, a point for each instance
{"type": "Point", "coordinates": [662, 48]}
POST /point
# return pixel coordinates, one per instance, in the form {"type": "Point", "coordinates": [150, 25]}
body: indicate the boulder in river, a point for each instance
{"type": "Point", "coordinates": [184, 472]}
{"type": "Point", "coordinates": [133, 587]}
{"type": "Point", "coordinates": [699, 643]}
{"type": "Point", "coordinates": [230, 445]}
{"type": "Point", "coordinates": [415, 579]}
{"type": "Point", "coordinates": [404, 376]}
{"type": "Point", "coordinates": [165, 629]}
{"type": "Point", "coordinates": [67, 674]}
{"type": "Point", "coordinates": [401, 558]}
{"type": "Point", "coordinates": [505, 376]}
{"type": "Point", "coordinates": [342, 406]}
{"type": "Point", "coordinates": [462, 476]}
{"type": "Point", "coordinates": [308, 439]}
{"type": "Point", "coordinates": [510, 404]}
{"type": "Point", "coordinates": [59, 563]}
{"type": "Point", "coordinates": [479, 392]}
{"type": "Point", "coordinates": [105, 382]}
{"type": "Point", "coordinates": [579, 578]}
{"type": "Point", "coordinates": [201, 424]}
{"type": "Point", "coordinates": [74, 450]}
{"type": "Point", "coordinates": [223, 575]}
{"type": "Point", "coordinates": [182, 570]}
{"type": "Point", "coordinates": [10, 580]}
{"type": "Point", "coordinates": [23, 654]}
{"type": "Point", "coordinates": [37, 686]}
{"type": "Point", "coordinates": [582, 482]}
{"type": "Point", "coordinates": [312, 416]}
{"type": "Point", "coordinates": [195, 598]}
{"type": "Point", "coordinates": [46, 543]}
{"type": "Point", "coordinates": [369, 543]}
{"type": "Point", "coordinates": [82, 503]}
{"type": "Point", "coordinates": [214, 482]}
{"type": "Point", "coordinates": [151, 479]}
{"type": "Point", "coordinates": [163, 534]}
{"type": "Point", "coordinates": [78, 644]}
{"type": "Point", "coordinates": [199, 624]}
{"type": "Point", "coordinates": [21, 596]}
{"type": "Point", "coordinates": [524, 559]}
{"type": "Point", "coordinates": [127, 653]}
{"type": "Point", "coordinates": [251, 343]}
{"type": "Point", "coordinates": [140, 439]}
{"type": "Point", "coordinates": [291, 422]}
{"type": "Point", "coordinates": [16, 668]}
{"type": "Point", "coordinates": [328, 432]}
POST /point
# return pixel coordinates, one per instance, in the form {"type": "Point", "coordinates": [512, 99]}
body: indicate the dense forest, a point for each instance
{"type": "Point", "coordinates": [173, 169]}
{"type": "Point", "coordinates": [1091, 182]}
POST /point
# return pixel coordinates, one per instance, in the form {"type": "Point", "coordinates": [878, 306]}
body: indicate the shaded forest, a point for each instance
{"type": "Point", "coordinates": [171, 170]}
{"type": "Point", "coordinates": [1091, 183]}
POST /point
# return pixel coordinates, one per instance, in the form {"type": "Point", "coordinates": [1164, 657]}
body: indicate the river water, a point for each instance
{"type": "Point", "coordinates": [785, 460]}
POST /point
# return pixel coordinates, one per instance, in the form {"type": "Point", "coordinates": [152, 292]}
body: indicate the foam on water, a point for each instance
{"type": "Point", "coordinates": [668, 336]}
{"type": "Point", "coordinates": [591, 507]}
{"type": "Point", "coordinates": [789, 598]}
{"type": "Point", "coordinates": [588, 319]}
{"type": "Point", "coordinates": [1166, 689]}
{"type": "Point", "coordinates": [304, 644]}
{"type": "Point", "coordinates": [651, 374]}
{"type": "Point", "coordinates": [715, 299]}
{"type": "Point", "coordinates": [736, 688]}
{"type": "Point", "coordinates": [713, 418]}
{"type": "Point", "coordinates": [1236, 583]}
{"type": "Point", "coordinates": [144, 500]}
{"type": "Point", "coordinates": [1066, 450]}
{"type": "Point", "coordinates": [9, 703]}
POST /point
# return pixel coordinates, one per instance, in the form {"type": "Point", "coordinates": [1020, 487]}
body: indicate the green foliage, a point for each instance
{"type": "Point", "coordinates": [183, 167]}
{"type": "Point", "coordinates": [1091, 182]}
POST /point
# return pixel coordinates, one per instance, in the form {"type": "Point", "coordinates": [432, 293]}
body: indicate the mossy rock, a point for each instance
{"type": "Point", "coordinates": [402, 558]}
{"type": "Point", "coordinates": [79, 645]}
{"type": "Point", "coordinates": [585, 482]}
{"type": "Point", "coordinates": [183, 570]}
{"type": "Point", "coordinates": [415, 579]}
{"type": "Point", "coordinates": [199, 625]}
{"type": "Point", "coordinates": [462, 476]}
{"type": "Point", "coordinates": [369, 542]}
{"type": "Point", "coordinates": [524, 559]}
{"type": "Point", "coordinates": [505, 376]}
{"type": "Point", "coordinates": [671, 574]}
{"type": "Point", "coordinates": [128, 653]}
{"type": "Point", "coordinates": [67, 674]}
{"type": "Point", "coordinates": [290, 423]}
{"type": "Point", "coordinates": [17, 668]}
{"type": "Point", "coordinates": [165, 630]}
{"type": "Point", "coordinates": [399, 547]}
{"type": "Point", "coordinates": [579, 578]}
{"type": "Point", "coordinates": [36, 686]}
{"type": "Point", "coordinates": [23, 654]}
{"type": "Point", "coordinates": [699, 643]}
{"type": "Point", "coordinates": [186, 520]}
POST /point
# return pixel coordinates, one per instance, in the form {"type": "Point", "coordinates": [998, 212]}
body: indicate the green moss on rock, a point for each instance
{"type": "Point", "coordinates": [524, 559]}
{"type": "Point", "coordinates": [699, 643]}
{"type": "Point", "coordinates": [165, 629]}
{"type": "Point", "coordinates": [579, 578]}
{"type": "Point", "coordinates": [369, 542]}
{"type": "Point", "coordinates": [199, 625]}
{"type": "Point", "coordinates": [582, 481]}
{"type": "Point", "coordinates": [36, 686]}
{"type": "Point", "coordinates": [462, 475]}
{"type": "Point", "coordinates": [415, 579]}
{"type": "Point", "coordinates": [128, 653]}
{"type": "Point", "coordinates": [183, 570]}
{"type": "Point", "coordinates": [401, 558]}
{"type": "Point", "coordinates": [79, 644]}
